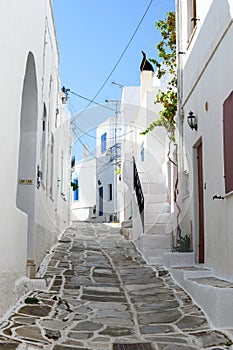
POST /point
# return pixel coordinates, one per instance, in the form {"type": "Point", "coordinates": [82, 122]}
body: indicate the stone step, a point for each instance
{"type": "Point", "coordinates": [179, 259]}
{"type": "Point", "coordinates": [154, 188]}
{"type": "Point", "coordinates": [152, 208]}
{"type": "Point", "coordinates": [156, 229]}
{"type": "Point", "coordinates": [153, 248]}
{"type": "Point", "coordinates": [151, 178]}
{"type": "Point", "coordinates": [152, 260]}
{"type": "Point", "coordinates": [214, 295]}
{"type": "Point", "coordinates": [156, 242]}
{"type": "Point", "coordinates": [161, 218]}
{"type": "Point", "coordinates": [155, 255]}
{"type": "Point", "coordinates": [193, 271]}
{"type": "Point", "coordinates": [155, 197]}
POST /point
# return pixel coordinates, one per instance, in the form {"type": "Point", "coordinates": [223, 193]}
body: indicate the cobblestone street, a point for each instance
{"type": "Point", "coordinates": [102, 295]}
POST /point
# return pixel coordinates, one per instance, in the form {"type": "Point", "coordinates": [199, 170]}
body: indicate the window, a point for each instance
{"type": "Point", "coordinates": [101, 201]}
{"type": "Point", "coordinates": [76, 191]}
{"type": "Point", "coordinates": [194, 14]}
{"type": "Point", "coordinates": [110, 192]}
{"type": "Point", "coordinates": [191, 16]}
{"type": "Point", "coordinates": [103, 142]}
{"type": "Point", "coordinates": [228, 142]}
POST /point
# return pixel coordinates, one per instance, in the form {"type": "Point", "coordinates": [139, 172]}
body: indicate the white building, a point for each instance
{"type": "Point", "coordinates": [97, 173]}
{"type": "Point", "coordinates": [205, 40]}
{"type": "Point", "coordinates": [108, 153]}
{"type": "Point", "coordinates": [145, 162]}
{"type": "Point", "coordinates": [35, 139]}
{"type": "Point", "coordinates": [84, 197]}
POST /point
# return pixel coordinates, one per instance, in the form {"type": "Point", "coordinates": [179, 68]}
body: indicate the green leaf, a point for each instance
{"type": "Point", "coordinates": [167, 99]}
{"type": "Point", "coordinates": [74, 185]}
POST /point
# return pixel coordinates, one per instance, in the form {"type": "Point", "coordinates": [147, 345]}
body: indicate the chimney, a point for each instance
{"type": "Point", "coordinates": [146, 84]}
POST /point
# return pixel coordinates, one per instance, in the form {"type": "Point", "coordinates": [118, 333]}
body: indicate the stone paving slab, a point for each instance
{"type": "Point", "coordinates": [103, 295]}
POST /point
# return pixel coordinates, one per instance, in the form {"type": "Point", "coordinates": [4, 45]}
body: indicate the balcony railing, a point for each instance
{"type": "Point", "coordinates": [139, 192]}
{"type": "Point", "coordinates": [115, 151]}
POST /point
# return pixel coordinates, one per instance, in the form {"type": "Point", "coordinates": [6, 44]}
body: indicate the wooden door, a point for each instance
{"type": "Point", "coordinates": [201, 205]}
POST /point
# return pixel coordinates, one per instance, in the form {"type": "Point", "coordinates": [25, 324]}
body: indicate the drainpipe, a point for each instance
{"type": "Point", "coordinates": [180, 114]}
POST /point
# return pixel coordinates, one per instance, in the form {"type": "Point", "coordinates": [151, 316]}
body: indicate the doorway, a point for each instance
{"type": "Point", "coordinates": [101, 204]}
{"type": "Point", "coordinates": [25, 198]}
{"type": "Point", "coordinates": [201, 245]}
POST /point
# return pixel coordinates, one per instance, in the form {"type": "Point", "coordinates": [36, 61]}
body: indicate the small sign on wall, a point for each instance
{"type": "Point", "coordinates": [25, 182]}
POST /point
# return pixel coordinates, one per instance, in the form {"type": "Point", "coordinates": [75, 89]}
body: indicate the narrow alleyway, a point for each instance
{"type": "Point", "coordinates": [102, 295]}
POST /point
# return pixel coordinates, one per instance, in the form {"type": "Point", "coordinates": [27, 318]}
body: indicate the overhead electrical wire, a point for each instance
{"type": "Point", "coordinates": [85, 146]}
{"type": "Point", "coordinates": [87, 99]}
{"type": "Point", "coordinates": [117, 63]}
{"type": "Point", "coordinates": [99, 138]}
{"type": "Point", "coordinates": [108, 165]}
{"type": "Point", "coordinates": [91, 153]}
{"type": "Point", "coordinates": [103, 85]}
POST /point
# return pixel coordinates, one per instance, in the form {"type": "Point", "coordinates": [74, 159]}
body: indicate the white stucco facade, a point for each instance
{"type": "Point", "coordinates": [206, 71]}
{"type": "Point", "coordinates": [84, 204]}
{"type": "Point", "coordinates": [204, 41]}
{"type": "Point", "coordinates": [36, 143]}
{"type": "Point", "coordinates": [108, 153]}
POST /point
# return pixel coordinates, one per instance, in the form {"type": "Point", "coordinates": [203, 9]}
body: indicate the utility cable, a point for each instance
{"type": "Point", "coordinates": [89, 152]}
{"type": "Point", "coordinates": [118, 61]}
{"type": "Point", "coordinates": [92, 101]}
{"type": "Point", "coordinates": [85, 146]}
{"type": "Point", "coordinates": [81, 133]}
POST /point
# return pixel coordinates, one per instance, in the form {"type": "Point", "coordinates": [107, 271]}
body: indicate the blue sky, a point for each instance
{"type": "Point", "coordinates": [92, 35]}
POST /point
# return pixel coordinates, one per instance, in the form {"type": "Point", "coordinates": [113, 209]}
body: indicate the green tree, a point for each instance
{"type": "Point", "coordinates": [167, 64]}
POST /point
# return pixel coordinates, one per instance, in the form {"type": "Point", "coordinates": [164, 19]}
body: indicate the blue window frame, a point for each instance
{"type": "Point", "coordinates": [76, 191]}
{"type": "Point", "coordinates": [103, 142]}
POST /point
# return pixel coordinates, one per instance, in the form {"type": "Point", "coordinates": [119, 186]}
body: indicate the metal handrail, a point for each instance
{"type": "Point", "coordinates": [139, 192]}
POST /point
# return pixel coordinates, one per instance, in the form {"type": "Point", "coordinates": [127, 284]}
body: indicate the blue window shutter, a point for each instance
{"type": "Point", "coordinates": [76, 192]}
{"type": "Point", "coordinates": [103, 142]}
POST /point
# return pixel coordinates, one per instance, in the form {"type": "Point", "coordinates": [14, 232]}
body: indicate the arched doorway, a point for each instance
{"type": "Point", "coordinates": [25, 199]}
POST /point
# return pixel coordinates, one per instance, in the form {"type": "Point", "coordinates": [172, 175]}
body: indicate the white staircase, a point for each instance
{"type": "Point", "coordinates": [212, 293]}
{"type": "Point", "coordinates": [156, 239]}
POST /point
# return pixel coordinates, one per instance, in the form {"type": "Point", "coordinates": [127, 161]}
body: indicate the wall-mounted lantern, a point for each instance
{"type": "Point", "coordinates": [192, 120]}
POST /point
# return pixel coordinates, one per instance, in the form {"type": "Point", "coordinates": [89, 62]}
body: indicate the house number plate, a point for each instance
{"type": "Point", "coordinates": [25, 182]}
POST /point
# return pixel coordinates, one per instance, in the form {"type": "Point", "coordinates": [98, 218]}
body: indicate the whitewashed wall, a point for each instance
{"type": "Point", "coordinates": [106, 168]}
{"type": "Point", "coordinates": [207, 82]}
{"type": "Point", "coordinates": [29, 80]}
{"type": "Point", "coordinates": [85, 172]}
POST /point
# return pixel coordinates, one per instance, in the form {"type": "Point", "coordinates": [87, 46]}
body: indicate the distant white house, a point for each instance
{"type": "Point", "coordinates": [35, 144]}
{"type": "Point", "coordinates": [108, 153]}
{"type": "Point", "coordinates": [84, 197]}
